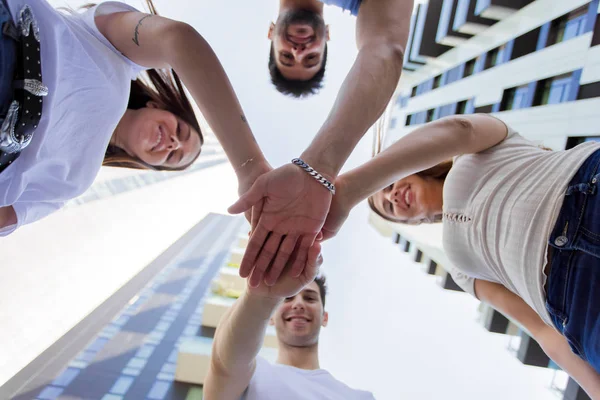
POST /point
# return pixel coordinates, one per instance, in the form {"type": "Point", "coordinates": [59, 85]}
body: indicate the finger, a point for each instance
{"type": "Point", "coordinates": [255, 244]}
{"type": "Point", "coordinates": [300, 262]}
{"type": "Point", "coordinates": [256, 213]}
{"type": "Point", "coordinates": [283, 255]}
{"type": "Point", "coordinates": [313, 262]}
{"type": "Point", "coordinates": [265, 258]}
{"type": "Point", "coordinates": [319, 236]}
{"type": "Point", "coordinates": [248, 199]}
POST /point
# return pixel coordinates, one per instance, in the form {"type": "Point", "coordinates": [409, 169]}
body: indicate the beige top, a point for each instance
{"type": "Point", "coordinates": [500, 206]}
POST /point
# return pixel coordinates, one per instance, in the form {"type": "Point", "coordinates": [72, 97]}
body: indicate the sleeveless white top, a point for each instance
{"type": "Point", "coordinates": [500, 206]}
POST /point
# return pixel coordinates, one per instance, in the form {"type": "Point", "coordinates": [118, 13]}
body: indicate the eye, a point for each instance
{"type": "Point", "coordinates": [178, 129]}
{"type": "Point", "coordinates": [389, 188]}
{"type": "Point", "coordinates": [287, 55]}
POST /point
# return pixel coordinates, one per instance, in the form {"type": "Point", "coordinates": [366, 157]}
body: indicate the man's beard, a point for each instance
{"type": "Point", "coordinates": [303, 17]}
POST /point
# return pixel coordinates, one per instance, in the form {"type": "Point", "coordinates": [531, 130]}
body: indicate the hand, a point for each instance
{"type": "Point", "coordinates": [247, 175]}
{"type": "Point", "coordinates": [288, 285]}
{"type": "Point", "coordinates": [294, 207]}
{"type": "Point", "coordinates": [338, 212]}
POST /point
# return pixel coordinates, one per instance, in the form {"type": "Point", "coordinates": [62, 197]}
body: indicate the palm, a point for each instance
{"type": "Point", "coordinates": [294, 210]}
{"type": "Point", "coordinates": [286, 286]}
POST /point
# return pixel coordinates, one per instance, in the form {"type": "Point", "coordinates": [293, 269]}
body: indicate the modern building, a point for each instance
{"type": "Point", "coordinates": [534, 64]}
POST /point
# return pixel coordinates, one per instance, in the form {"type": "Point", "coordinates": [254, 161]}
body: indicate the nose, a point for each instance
{"type": "Point", "coordinates": [394, 196]}
{"type": "Point", "coordinates": [298, 49]}
{"type": "Point", "coordinates": [174, 143]}
{"type": "Point", "coordinates": [298, 304]}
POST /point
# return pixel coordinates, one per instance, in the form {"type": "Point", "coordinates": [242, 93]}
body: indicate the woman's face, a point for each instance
{"type": "Point", "coordinates": [157, 137]}
{"type": "Point", "coordinates": [413, 199]}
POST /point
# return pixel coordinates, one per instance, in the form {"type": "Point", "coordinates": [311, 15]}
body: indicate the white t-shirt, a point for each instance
{"type": "Point", "coordinates": [500, 206]}
{"type": "Point", "coordinates": [89, 84]}
{"type": "Point", "coordinates": [277, 382]}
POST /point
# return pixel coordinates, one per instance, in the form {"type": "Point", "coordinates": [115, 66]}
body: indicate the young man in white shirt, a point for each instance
{"type": "Point", "coordinates": [296, 307]}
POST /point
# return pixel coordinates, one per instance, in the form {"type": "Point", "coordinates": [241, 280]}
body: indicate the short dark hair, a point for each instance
{"type": "Point", "coordinates": [321, 282]}
{"type": "Point", "coordinates": [293, 87]}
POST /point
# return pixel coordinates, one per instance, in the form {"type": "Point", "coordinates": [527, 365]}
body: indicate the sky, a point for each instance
{"type": "Point", "coordinates": [392, 329]}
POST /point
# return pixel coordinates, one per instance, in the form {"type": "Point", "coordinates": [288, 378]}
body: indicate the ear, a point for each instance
{"type": "Point", "coordinates": [271, 30]}
{"type": "Point", "coordinates": [325, 319]}
{"type": "Point", "coordinates": [152, 104]}
{"type": "Point", "coordinates": [327, 37]}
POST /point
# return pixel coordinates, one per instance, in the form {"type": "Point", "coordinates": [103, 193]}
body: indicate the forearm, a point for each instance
{"type": "Point", "coordinates": [364, 95]}
{"type": "Point", "coordinates": [199, 68]}
{"type": "Point", "coordinates": [241, 333]}
{"type": "Point", "coordinates": [8, 216]}
{"type": "Point", "coordinates": [556, 347]}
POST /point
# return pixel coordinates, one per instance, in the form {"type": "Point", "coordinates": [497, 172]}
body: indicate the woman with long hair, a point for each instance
{"type": "Point", "coordinates": [521, 224]}
{"type": "Point", "coordinates": [105, 86]}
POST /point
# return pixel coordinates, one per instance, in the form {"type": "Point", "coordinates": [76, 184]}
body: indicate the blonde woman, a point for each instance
{"type": "Point", "coordinates": [521, 224]}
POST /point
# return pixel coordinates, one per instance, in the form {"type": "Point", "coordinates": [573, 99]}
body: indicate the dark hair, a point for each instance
{"type": "Point", "coordinates": [321, 281]}
{"type": "Point", "coordinates": [166, 89]}
{"type": "Point", "coordinates": [295, 87]}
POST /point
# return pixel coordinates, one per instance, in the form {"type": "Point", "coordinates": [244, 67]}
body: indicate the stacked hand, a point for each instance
{"type": "Point", "coordinates": [292, 207]}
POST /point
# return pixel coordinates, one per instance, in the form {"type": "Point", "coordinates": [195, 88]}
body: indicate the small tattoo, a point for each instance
{"type": "Point", "coordinates": [244, 119]}
{"type": "Point", "coordinates": [137, 30]}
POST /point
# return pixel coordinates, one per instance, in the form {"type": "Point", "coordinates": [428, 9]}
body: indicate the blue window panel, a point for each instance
{"type": "Point", "coordinates": [592, 139]}
{"type": "Point", "coordinates": [482, 5]}
{"type": "Point", "coordinates": [460, 17]}
{"type": "Point", "coordinates": [98, 344]}
{"type": "Point", "coordinates": [169, 368]}
{"type": "Point", "coordinates": [145, 351]}
{"type": "Point", "coordinates": [521, 98]}
{"type": "Point", "coordinates": [86, 356]}
{"type": "Point", "coordinates": [593, 11]}
{"type": "Point", "coordinates": [393, 122]}
{"type": "Point", "coordinates": [480, 63]}
{"type": "Point", "coordinates": [559, 91]}
{"type": "Point", "coordinates": [543, 38]}
{"type": "Point", "coordinates": [470, 108]}
{"type": "Point", "coordinates": [66, 377]}
{"type": "Point", "coordinates": [112, 397]}
{"type": "Point", "coordinates": [444, 23]}
{"type": "Point", "coordinates": [122, 385]}
{"type": "Point", "coordinates": [137, 363]}
{"type": "Point", "coordinates": [574, 89]}
{"type": "Point", "coordinates": [131, 371]}
{"type": "Point", "coordinates": [173, 356]}
{"type": "Point", "coordinates": [496, 108]}
{"type": "Point", "coordinates": [159, 390]}
{"type": "Point", "coordinates": [50, 393]}
{"type": "Point", "coordinates": [575, 27]}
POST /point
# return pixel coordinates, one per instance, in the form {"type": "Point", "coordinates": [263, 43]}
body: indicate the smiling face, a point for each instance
{"type": "Point", "coordinates": [157, 137]}
{"type": "Point", "coordinates": [412, 200]}
{"type": "Point", "coordinates": [299, 39]}
{"type": "Point", "coordinates": [299, 319]}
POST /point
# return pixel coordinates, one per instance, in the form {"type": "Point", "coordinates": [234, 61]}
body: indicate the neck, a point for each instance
{"type": "Point", "coordinates": [299, 357]}
{"type": "Point", "coordinates": [310, 5]}
{"type": "Point", "coordinates": [115, 139]}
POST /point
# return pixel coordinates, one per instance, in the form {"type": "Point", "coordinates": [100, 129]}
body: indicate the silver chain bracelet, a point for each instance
{"type": "Point", "coordinates": [320, 178]}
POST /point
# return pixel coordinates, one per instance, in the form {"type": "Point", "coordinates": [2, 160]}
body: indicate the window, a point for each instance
{"type": "Point", "coordinates": [470, 67]}
{"type": "Point", "coordinates": [553, 91]}
{"type": "Point", "coordinates": [430, 114]}
{"type": "Point", "coordinates": [492, 59]}
{"type": "Point", "coordinates": [461, 107]}
{"type": "Point", "coordinates": [577, 140]}
{"type": "Point", "coordinates": [413, 93]}
{"type": "Point", "coordinates": [515, 98]}
{"type": "Point", "coordinates": [568, 26]}
{"type": "Point", "coordinates": [437, 81]}
{"type": "Point", "coordinates": [393, 122]}
{"type": "Point", "coordinates": [408, 119]}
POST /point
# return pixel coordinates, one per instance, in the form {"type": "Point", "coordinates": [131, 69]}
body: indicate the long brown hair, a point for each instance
{"type": "Point", "coordinates": [165, 89]}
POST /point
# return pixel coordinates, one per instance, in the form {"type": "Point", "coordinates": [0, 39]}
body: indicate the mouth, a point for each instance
{"type": "Point", "coordinates": [159, 142]}
{"type": "Point", "coordinates": [298, 318]}
{"type": "Point", "coordinates": [406, 197]}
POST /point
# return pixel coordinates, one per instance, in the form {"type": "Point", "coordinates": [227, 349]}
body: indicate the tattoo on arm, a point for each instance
{"type": "Point", "coordinates": [137, 30]}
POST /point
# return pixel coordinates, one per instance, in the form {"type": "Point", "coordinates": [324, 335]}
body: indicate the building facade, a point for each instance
{"type": "Point", "coordinates": [535, 64]}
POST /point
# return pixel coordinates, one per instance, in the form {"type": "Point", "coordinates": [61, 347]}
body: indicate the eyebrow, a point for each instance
{"type": "Point", "coordinates": [310, 291]}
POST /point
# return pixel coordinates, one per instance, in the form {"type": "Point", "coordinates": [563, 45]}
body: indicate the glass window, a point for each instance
{"type": "Point", "coordinates": [568, 26]}
{"type": "Point", "coordinates": [408, 119]}
{"type": "Point", "coordinates": [520, 99]}
{"type": "Point", "coordinates": [559, 90]}
{"type": "Point", "coordinates": [413, 92]}
{"type": "Point", "coordinates": [430, 114]}
{"type": "Point", "coordinates": [437, 81]}
{"type": "Point", "coordinates": [491, 59]}
{"type": "Point", "coordinates": [461, 107]}
{"type": "Point", "coordinates": [469, 67]}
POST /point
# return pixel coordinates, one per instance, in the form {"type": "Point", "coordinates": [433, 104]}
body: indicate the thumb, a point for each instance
{"type": "Point", "coordinates": [248, 199]}
{"type": "Point", "coordinates": [314, 261]}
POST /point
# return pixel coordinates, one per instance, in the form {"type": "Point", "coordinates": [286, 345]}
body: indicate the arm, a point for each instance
{"type": "Point", "coordinates": [382, 30]}
{"type": "Point", "coordinates": [8, 217]}
{"type": "Point", "coordinates": [157, 42]}
{"type": "Point", "coordinates": [554, 344]}
{"type": "Point", "coordinates": [238, 340]}
{"type": "Point", "coordinates": [423, 148]}
{"type": "Point", "coordinates": [241, 331]}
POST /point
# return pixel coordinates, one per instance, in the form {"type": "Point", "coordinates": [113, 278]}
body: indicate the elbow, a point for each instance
{"type": "Point", "coordinates": [388, 51]}
{"type": "Point", "coordinates": [178, 36]}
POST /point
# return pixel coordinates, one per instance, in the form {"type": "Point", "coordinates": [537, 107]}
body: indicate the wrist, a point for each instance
{"type": "Point", "coordinates": [252, 168]}
{"type": "Point", "coordinates": [263, 302]}
{"type": "Point", "coordinates": [325, 167]}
